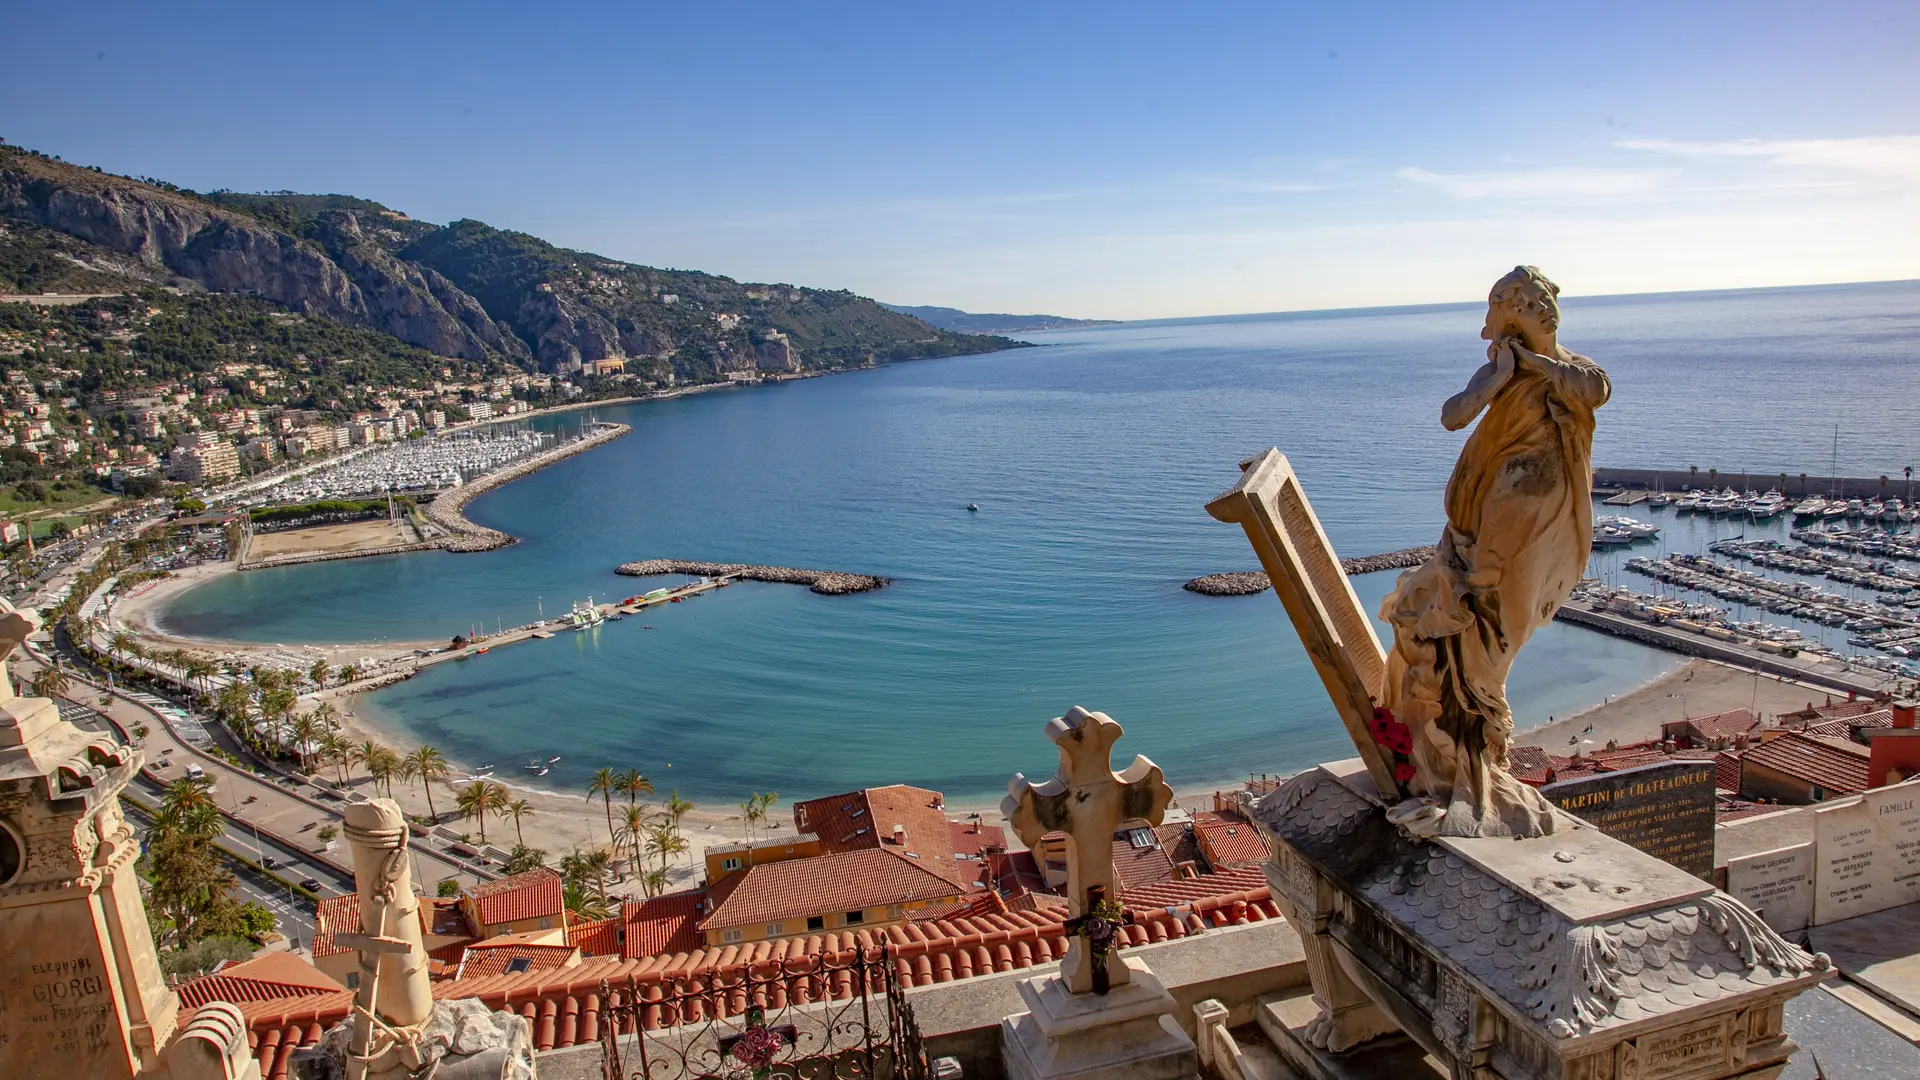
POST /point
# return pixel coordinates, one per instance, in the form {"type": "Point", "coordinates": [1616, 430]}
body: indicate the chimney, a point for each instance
{"type": "Point", "coordinates": [899, 834]}
{"type": "Point", "coordinates": [1903, 713]}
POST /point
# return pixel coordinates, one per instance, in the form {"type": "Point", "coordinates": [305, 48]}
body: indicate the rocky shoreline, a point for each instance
{"type": "Point", "coordinates": [465, 536]}
{"type": "Point", "coordinates": [1248, 582]}
{"type": "Point", "coordinates": [825, 582]}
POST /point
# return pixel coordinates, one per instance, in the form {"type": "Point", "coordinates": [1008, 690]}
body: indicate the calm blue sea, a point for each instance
{"type": "Point", "coordinates": [1091, 459]}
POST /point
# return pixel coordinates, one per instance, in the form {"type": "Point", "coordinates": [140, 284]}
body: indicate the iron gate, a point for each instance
{"type": "Point", "coordinates": [819, 1017]}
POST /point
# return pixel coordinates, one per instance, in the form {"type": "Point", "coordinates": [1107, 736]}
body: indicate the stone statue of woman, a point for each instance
{"type": "Point", "coordinates": [1519, 530]}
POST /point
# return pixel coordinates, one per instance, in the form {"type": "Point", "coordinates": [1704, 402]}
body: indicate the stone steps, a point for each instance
{"type": "Point", "coordinates": [1284, 1017]}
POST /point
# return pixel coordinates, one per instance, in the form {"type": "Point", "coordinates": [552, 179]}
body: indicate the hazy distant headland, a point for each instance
{"type": "Point", "coordinates": [961, 322]}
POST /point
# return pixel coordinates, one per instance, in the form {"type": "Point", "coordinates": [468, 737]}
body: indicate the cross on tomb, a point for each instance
{"type": "Point", "coordinates": [1088, 802]}
{"type": "Point", "coordinates": [1307, 576]}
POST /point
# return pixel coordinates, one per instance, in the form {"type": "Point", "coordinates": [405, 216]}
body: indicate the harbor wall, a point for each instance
{"type": "Point", "coordinates": [1852, 487]}
{"type": "Point", "coordinates": [469, 537]}
{"type": "Point", "coordinates": [1823, 674]}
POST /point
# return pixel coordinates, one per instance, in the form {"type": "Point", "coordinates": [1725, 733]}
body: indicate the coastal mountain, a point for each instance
{"type": "Point", "coordinates": [954, 319]}
{"type": "Point", "coordinates": [466, 290]}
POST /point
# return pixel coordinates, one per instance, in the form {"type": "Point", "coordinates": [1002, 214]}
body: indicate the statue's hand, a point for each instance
{"type": "Point", "coordinates": [1502, 354]}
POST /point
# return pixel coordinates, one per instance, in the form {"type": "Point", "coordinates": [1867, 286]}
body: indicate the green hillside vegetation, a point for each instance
{"type": "Point", "coordinates": [35, 259]}
{"type": "Point", "coordinates": [125, 341]}
{"type": "Point", "coordinates": [300, 214]}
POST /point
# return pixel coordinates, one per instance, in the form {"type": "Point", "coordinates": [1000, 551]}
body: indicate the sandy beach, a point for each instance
{"type": "Point", "coordinates": [1691, 688]}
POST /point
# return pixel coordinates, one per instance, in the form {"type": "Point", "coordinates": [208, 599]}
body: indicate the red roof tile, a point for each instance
{"type": "Point", "coordinates": [1836, 766]}
{"type": "Point", "coordinates": [1015, 872]}
{"type": "Point", "coordinates": [482, 960]}
{"type": "Point", "coordinates": [1844, 727]}
{"type": "Point", "coordinates": [898, 818]}
{"type": "Point", "coordinates": [849, 881]}
{"type": "Point", "coordinates": [598, 938]}
{"type": "Point", "coordinates": [1137, 866]}
{"type": "Point", "coordinates": [1229, 840]}
{"type": "Point", "coordinates": [533, 895]}
{"type": "Point", "coordinates": [973, 838]}
{"type": "Point", "coordinates": [1175, 893]}
{"type": "Point", "coordinates": [1529, 764]}
{"type": "Point", "coordinates": [1707, 730]}
{"type": "Point", "coordinates": [334, 915]}
{"type": "Point", "coordinates": [1726, 770]}
{"type": "Point", "coordinates": [265, 977]}
{"type": "Point", "coordinates": [564, 1006]}
{"type": "Point", "coordinates": [980, 903]}
{"type": "Point", "coordinates": [663, 924]}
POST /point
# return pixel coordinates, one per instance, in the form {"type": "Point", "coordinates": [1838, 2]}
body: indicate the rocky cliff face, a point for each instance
{"type": "Point", "coordinates": [347, 280]}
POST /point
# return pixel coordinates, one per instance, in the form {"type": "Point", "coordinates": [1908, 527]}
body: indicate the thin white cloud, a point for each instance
{"type": "Point", "coordinates": [1549, 183]}
{"type": "Point", "coordinates": [1896, 154]}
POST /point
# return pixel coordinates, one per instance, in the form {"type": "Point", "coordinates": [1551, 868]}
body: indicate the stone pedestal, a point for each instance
{"type": "Point", "coordinates": [1128, 1033]}
{"type": "Point", "coordinates": [1568, 956]}
{"type": "Point", "coordinates": [462, 1040]}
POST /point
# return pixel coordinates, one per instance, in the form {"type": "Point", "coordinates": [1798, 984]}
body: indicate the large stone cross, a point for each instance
{"type": "Point", "coordinates": [1089, 802]}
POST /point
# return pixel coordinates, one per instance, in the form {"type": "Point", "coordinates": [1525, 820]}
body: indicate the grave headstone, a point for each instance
{"type": "Point", "coordinates": [1867, 853]}
{"type": "Point", "coordinates": [1776, 884]}
{"type": "Point", "coordinates": [1664, 809]}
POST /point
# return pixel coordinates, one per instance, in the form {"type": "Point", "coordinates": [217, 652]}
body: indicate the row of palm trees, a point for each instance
{"type": "Point", "coordinates": [643, 833]}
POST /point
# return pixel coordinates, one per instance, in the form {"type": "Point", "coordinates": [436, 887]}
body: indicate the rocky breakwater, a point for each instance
{"type": "Point", "coordinates": [1248, 582]}
{"type": "Point", "coordinates": [825, 582]}
{"type": "Point", "coordinates": [464, 535]}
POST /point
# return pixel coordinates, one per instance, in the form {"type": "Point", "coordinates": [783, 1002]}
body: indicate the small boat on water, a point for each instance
{"type": "Point", "coordinates": [973, 508]}
{"type": "Point", "coordinates": [554, 760]}
{"type": "Point", "coordinates": [541, 771]}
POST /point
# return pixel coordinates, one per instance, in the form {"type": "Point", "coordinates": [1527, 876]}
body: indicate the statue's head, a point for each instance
{"type": "Point", "coordinates": [1523, 304]}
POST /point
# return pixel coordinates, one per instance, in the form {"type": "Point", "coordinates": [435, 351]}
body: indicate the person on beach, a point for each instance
{"type": "Point", "coordinates": [1519, 531]}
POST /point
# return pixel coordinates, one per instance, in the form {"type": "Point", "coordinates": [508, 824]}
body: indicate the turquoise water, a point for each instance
{"type": "Point", "coordinates": [1091, 460]}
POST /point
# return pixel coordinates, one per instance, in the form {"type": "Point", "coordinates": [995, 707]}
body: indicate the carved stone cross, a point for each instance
{"type": "Point", "coordinates": [1088, 801]}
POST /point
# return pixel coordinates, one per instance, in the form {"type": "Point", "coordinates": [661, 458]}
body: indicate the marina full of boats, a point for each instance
{"type": "Point", "coordinates": [433, 463]}
{"type": "Point", "coordinates": [1845, 586]}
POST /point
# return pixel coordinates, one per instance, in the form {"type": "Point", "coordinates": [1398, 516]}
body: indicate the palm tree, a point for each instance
{"type": "Point", "coordinates": [427, 764]}
{"type": "Point", "coordinates": [603, 784]}
{"type": "Point", "coordinates": [382, 766]}
{"type": "Point", "coordinates": [654, 882]}
{"type": "Point", "coordinates": [676, 809]}
{"type": "Point", "coordinates": [200, 670]}
{"type": "Point", "coordinates": [119, 644]}
{"type": "Point", "coordinates": [630, 783]}
{"type": "Point", "coordinates": [596, 863]}
{"type": "Point", "coordinates": [362, 754]}
{"type": "Point", "coordinates": [665, 842]}
{"type": "Point", "coordinates": [338, 750]}
{"type": "Point", "coordinates": [50, 682]}
{"type": "Point", "coordinates": [472, 803]}
{"type": "Point", "coordinates": [634, 822]}
{"type": "Point", "coordinates": [302, 731]}
{"type": "Point", "coordinates": [585, 905]}
{"type": "Point", "coordinates": [518, 810]}
{"type": "Point", "coordinates": [318, 672]}
{"type": "Point", "coordinates": [349, 673]}
{"type": "Point", "coordinates": [756, 808]}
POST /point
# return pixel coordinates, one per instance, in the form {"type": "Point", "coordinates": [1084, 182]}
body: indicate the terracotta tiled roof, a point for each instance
{"type": "Point", "coordinates": [974, 837]}
{"type": "Point", "coordinates": [898, 818]}
{"type": "Point", "coordinates": [564, 1007]}
{"type": "Point", "coordinates": [1178, 841]}
{"type": "Point", "coordinates": [1706, 730]}
{"type": "Point", "coordinates": [849, 881]}
{"type": "Point", "coordinates": [1726, 770]}
{"type": "Point", "coordinates": [981, 903]}
{"type": "Point", "coordinates": [1844, 727]}
{"type": "Point", "coordinates": [1015, 872]}
{"type": "Point", "coordinates": [533, 895]}
{"type": "Point", "coordinates": [265, 977]}
{"type": "Point", "coordinates": [484, 959]}
{"type": "Point", "coordinates": [598, 938]}
{"type": "Point", "coordinates": [1529, 764]}
{"type": "Point", "coordinates": [1229, 840]}
{"type": "Point", "coordinates": [1243, 880]}
{"type": "Point", "coordinates": [663, 924]}
{"type": "Point", "coordinates": [334, 915]}
{"type": "Point", "coordinates": [1837, 766]}
{"type": "Point", "coordinates": [1134, 866]}
{"type": "Point", "coordinates": [1036, 901]}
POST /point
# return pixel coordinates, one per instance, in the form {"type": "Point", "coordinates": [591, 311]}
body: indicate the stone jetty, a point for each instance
{"type": "Point", "coordinates": [1248, 582]}
{"type": "Point", "coordinates": [464, 535]}
{"type": "Point", "coordinates": [825, 582]}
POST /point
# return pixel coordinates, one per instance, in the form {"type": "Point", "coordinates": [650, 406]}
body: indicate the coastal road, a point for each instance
{"type": "Point", "coordinates": [282, 810]}
{"type": "Point", "coordinates": [293, 914]}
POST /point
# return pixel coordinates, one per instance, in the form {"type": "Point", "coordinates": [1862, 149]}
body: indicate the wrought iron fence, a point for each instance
{"type": "Point", "coordinates": [840, 1016]}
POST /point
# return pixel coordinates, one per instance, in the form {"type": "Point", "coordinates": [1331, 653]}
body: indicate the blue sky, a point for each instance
{"type": "Point", "coordinates": [1112, 160]}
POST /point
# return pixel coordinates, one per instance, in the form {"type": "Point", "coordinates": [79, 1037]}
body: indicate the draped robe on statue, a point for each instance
{"type": "Point", "coordinates": [1519, 531]}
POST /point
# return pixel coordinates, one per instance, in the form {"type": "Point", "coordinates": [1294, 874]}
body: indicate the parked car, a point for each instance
{"type": "Point", "coordinates": [311, 884]}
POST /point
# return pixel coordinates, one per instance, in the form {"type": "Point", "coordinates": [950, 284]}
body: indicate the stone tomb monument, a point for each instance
{"type": "Point", "coordinates": [1102, 1015]}
{"type": "Point", "coordinates": [1439, 900]}
{"type": "Point", "coordinates": [1665, 809]}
